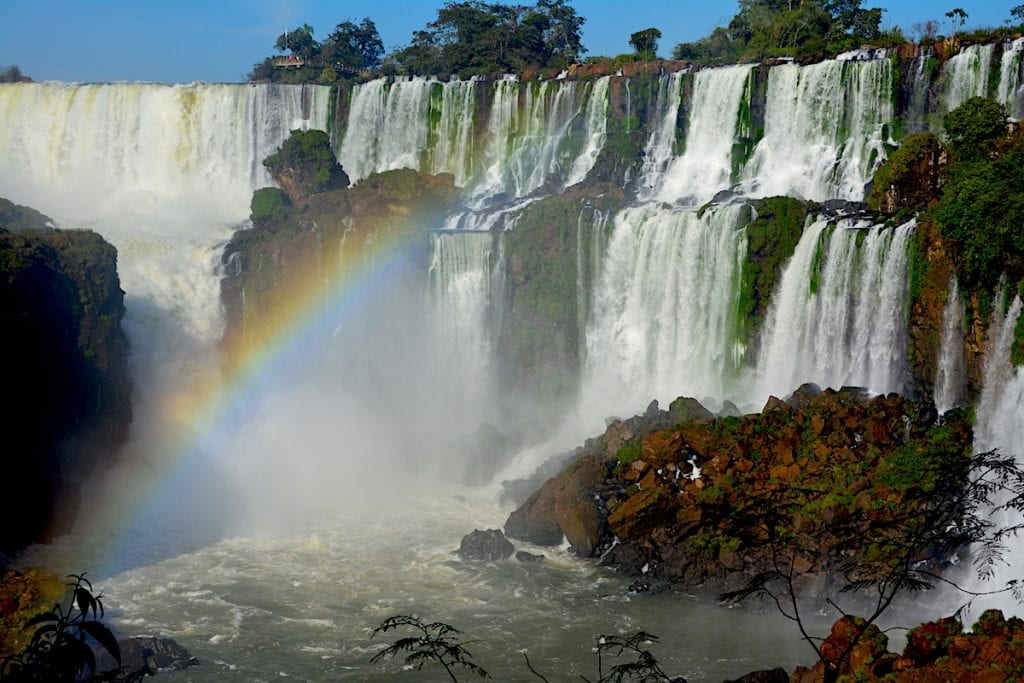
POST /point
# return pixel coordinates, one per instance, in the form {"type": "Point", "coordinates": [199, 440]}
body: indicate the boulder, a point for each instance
{"type": "Point", "coordinates": [776, 675]}
{"type": "Point", "coordinates": [564, 506]}
{"type": "Point", "coordinates": [147, 652]}
{"type": "Point", "coordinates": [528, 558]}
{"type": "Point", "coordinates": [488, 546]}
{"type": "Point", "coordinates": [685, 409]}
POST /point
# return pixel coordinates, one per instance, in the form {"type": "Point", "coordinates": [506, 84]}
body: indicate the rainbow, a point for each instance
{"type": "Point", "coordinates": [197, 422]}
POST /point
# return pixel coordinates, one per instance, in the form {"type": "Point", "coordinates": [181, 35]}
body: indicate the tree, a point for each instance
{"type": "Point", "coordinates": [473, 37]}
{"type": "Point", "coordinates": [436, 642]}
{"type": "Point", "coordinates": [949, 501]}
{"type": "Point", "coordinates": [973, 128]}
{"type": "Point", "coordinates": [926, 30]}
{"type": "Point", "coordinates": [562, 40]}
{"type": "Point", "coordinates": [1018, 14]}
{"type": "Point", "coordinates": [957, 16]}
{"type": "Point", "coordinates": [10, 74]}
{"type": "Point", "coordinates": [645, 43]}
{"type": "Point", "coordinates": [354, 45]}
{"type": "Point", "coordinates": [440, 643]}
{"type": "Point", "coordinates": [299, 41]}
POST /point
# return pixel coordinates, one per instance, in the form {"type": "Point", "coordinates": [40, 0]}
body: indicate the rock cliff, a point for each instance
{"type": "Point", "coordinates": [61, 307]}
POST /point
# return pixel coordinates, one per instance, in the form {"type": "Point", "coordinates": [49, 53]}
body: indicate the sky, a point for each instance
{"type": "Point", "coordinates": [218, 41]}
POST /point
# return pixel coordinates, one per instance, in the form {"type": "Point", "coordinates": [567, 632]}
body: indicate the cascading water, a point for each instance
{"type": "Point", "coordinates": [165, 173]}
{"type": "Point", "coordinates": [663, 314]}
{"type": "Point", "coordinates": [1000, 425]}
{"type": "Point", "coordinates": [657, 293]}
{"type": "Point", "coordinates": [594, 131]}
{"type": "Point", "coordinates": [824, 128]}
{"type": "Point", "coordinates": [463, 268]}
{"type": "Point", "coordinates": [917, 112]}
{"type": "Point", "coordinates": [390, 126]}
{"type": "Point", "coordinates": [1011, 78]}
{"type": "Point", "coordinates": [838, 317]}
{"type": "Point", "coordinates": [661, 143]}
{"type": "Point", "coordinates": [706, 165]}
{"type": "Point", "coordinates": [950, 381]}
{"type": "Point", "coordinates": [1000, 408]}
{"type": "Point", "coordinates": [966, 74]}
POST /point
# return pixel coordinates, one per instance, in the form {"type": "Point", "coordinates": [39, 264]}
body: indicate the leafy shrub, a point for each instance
{"type": "Point", "coordinates": [61, 649]}
{"type": "Point", "coordinates": [973, 128]}
{"type": "Point", "coordinates": [307, 157]}
{"type": "Point", "coordinates": [269, 205]}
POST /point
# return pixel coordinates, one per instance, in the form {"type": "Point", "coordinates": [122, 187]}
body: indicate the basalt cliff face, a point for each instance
{"type": "Point", "coordinates": [61, 307]}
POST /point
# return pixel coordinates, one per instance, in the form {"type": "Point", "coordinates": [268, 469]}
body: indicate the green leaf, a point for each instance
{"type": "Point", "coordinates": [104, 637]}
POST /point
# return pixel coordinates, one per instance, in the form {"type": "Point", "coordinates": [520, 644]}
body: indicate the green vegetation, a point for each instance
{"type": "Point", "coordinates": [902, 172]}
{"type": "Point", "coordinates": [351, 46]}
{"type": "Point", "coordinates": [306, 156]}
{"type": "Point", "coordinates": [11, 74]}
{"type": "Point", "coordinates": [810, 29]}
{"type": "Point", "coordinates": [475, 37]}
{"type": "Point", "coordinates": [436, 642]}
{"type": "Point", "coordinates": [440, 643]}
{"type": "Point", "coordinates": [645, 43]}
{"type": "Point", "coordinates": [982, 204]}
{"type": "Point", "coordinates": [771, 240]}
{"type": "Point", "coordinates": [974, 128]}
{"type": "Point", "coordinates": [630, 452]}
{"type": "Point", "coordinates": [269, 205]}
{"type": "Point", "coordinates": [62, 647]}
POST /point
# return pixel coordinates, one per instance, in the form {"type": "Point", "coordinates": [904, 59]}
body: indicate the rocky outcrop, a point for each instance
{"type": "Point", "coordinates": [155, 655]}
{"type": "Point", "coordinates": [683, 502]}
{"type": "Point", "coordinates": [539, 341]}
{"type": "Point", "coordinates": [305, 165]}
{"type": "Point", "coordinates": [293, 255]}
{"type": "Point", "coordinates": [772, 237]}
{"type": "Point", "coordinates": [935, 651]}
{"type": "Point", "coordinates": [67, 383]}
{"type": "Point", "coordinates": [912, 177]}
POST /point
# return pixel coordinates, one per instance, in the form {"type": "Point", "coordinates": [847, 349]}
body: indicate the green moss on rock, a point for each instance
{"type": "Point", "coordinates": [771, 240]}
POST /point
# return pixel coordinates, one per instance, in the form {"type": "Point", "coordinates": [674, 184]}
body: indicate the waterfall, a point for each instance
{"type": "Point", "coordinates": [839, 315]}
{"type": "Point", "coordinates": [463, 273]}
{"type": "Point", "coordinates": [595, 129]}
{"type": "Point", "coordinates": [526, 144]}
{"type": "Point", "coordinates": [706, 165]}
{"type": "Point", "coordinates": [1011, 78]}
{"type": "Point", "coordinates": [165, 173]}
{"type": "Point", "coordinates": [388, 126]}
{"type": "Point", "coordinates": [660, 147]}
{"type": "Point", "coordinates": [1000, 410]}
{"type": "Point", "coordinates": [418, 123]}
{"type": "Point", "coordinates": [663, 313]}
{"type": "Point", "coordinates": [950, 382]}
{"type": "Point", "coordinates": [1000, 424]}
{"type": "Point", "coordinates": [824, 128]}
{"type": "Point", "coordinates": [967, 74]}
{"type": "Point", "coordinates": [453, 147]}
{"type": "Point", "coordinates": [917, 114]}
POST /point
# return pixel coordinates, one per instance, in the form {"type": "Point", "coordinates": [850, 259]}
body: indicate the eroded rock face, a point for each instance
{"type": "Point", "coordinates": [680, 503]}
{"type": "Point", "coordinates": [61, 307]}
